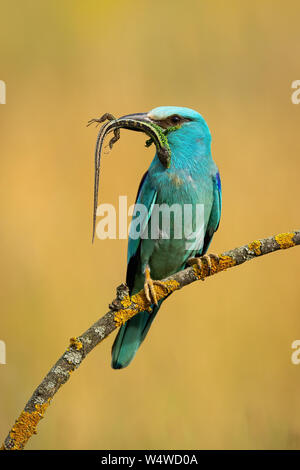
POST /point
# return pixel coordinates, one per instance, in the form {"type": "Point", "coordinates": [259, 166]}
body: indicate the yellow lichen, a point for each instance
{"type": "Point", "coordinates": [217, 264]}
{"type": "Point", "coordinates": [138, 302]}
{"type": "Point", "coordinates": [126, 301]}
{"type": "Point", "coordinates": [122, 316]}
{"type": "Point", "coordinates": [225, 262]}
{"type": "Point", "coordinates": [75, 342]}
{"type": "Point", "coordinates": [255, 246]}
{"type": "Point", "coordinates": [285, 240]}
{"type": "Point", "coordinates": [26, 425]}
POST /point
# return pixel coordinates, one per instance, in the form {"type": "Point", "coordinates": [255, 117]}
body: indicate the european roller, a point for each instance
{"type": "Point", "coordinates": [189, 179]}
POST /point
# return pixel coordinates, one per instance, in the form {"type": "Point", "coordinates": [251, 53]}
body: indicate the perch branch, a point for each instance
{"type": "Point", "coordinates": [122, 309]}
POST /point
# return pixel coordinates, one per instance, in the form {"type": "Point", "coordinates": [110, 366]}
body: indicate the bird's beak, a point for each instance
{"type": "Point", "coordinates": [140, 122]}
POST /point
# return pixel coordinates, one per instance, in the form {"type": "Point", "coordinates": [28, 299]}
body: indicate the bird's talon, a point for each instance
{"type": "Point", "coordinates": [208, 263]}
{"type": "Point", "coordinates": [149, 288]}
{"type": "Point", "coordinates": [199, 261]}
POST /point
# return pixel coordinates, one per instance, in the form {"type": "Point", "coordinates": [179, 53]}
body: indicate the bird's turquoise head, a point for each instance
{"type": "Point", "coordinates": [185, 129]}
{"type": "Point", "coordinates": [180, 131]}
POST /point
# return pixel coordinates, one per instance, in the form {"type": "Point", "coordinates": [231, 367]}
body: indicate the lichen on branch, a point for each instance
{"type": "Point", "coordinates": [122, 309]}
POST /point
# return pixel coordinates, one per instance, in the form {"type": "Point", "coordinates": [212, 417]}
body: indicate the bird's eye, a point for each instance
{"type": "Point", "coordinates": [175, 119]}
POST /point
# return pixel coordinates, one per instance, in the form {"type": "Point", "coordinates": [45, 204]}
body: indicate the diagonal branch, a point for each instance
{"type": "Point", "coordinates": [122, 309]}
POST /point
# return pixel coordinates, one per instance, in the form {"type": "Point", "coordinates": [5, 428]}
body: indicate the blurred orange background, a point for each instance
{"type": "Point", "coordinates": [215, 371]}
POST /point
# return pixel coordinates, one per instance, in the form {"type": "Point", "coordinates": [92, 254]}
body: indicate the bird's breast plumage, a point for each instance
{"type": "Point", "coordinates": [181, 187]}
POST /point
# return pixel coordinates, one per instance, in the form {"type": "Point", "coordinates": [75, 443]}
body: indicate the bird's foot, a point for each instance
{"type": "Point", "coordinates": [149, 287]}
{"type": "Point", "coordinates": [199, 260]}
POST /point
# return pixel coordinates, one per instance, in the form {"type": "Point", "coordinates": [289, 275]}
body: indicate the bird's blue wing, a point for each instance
{"type": "Point", "coordinates": [215, 214]}
{"type": "Point", "coordinates": [147, 196]}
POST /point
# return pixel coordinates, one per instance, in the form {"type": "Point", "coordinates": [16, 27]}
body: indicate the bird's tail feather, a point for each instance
{"type": "Point", "coordinates": [130, 337]}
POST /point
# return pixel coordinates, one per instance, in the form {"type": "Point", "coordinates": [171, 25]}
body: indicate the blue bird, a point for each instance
{"type": "Point", "coordinates": [190, 179]}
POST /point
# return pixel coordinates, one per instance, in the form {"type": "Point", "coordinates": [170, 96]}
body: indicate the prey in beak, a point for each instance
{"type": "Point", "coordinates": [139, 122]}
